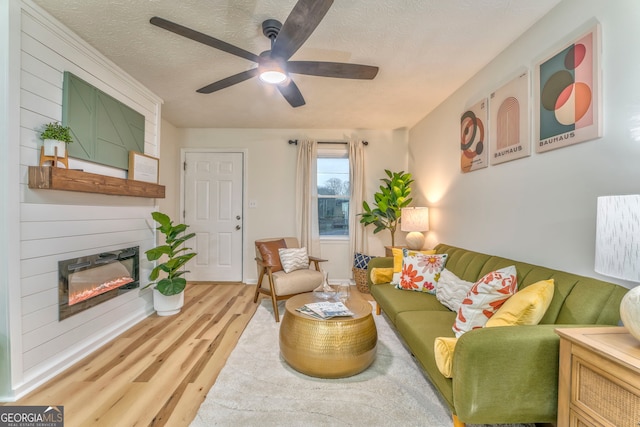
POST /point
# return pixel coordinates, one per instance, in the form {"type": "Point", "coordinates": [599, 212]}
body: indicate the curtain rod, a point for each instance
{"type": "Point", "coordinates": [295, 142]}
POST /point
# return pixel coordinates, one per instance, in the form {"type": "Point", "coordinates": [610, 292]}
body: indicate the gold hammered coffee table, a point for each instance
{"type": "Point", "coordinates": [330, 348]}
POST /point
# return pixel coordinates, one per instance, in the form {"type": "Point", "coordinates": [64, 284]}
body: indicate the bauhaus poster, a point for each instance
{"type": "Point", "coordinates": [568, 94]}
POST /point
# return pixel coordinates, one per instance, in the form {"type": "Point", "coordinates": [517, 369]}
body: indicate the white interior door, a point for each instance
{"type": "Point", "coordinates": [213, 210]}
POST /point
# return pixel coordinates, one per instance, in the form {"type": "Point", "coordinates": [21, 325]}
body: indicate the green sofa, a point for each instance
{"type": "Point", "coordinates": [501, 374]}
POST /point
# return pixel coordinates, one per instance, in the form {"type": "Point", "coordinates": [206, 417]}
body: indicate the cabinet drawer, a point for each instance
{"type": "Point", "coordinates": [599, 391]}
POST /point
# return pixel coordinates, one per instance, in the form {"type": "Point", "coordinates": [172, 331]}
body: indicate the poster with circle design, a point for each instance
{"type": "Point", "coordinates": [473, 137]}
{"type": "Point", "coordinates": [567, 93]}
{"type": "Point", "coordinates": [509, 124]}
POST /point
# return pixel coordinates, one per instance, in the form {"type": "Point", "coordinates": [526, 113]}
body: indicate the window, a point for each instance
{"type": "Point", "coordinates": [333, 192]}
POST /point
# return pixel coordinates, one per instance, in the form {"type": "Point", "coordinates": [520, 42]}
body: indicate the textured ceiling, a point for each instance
{"type": "Point", "coordinates": [425, 50]}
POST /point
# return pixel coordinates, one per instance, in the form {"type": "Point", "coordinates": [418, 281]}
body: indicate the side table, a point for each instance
{"type": "Point", "coordinates": [330, 348]}
{"type": "Point", "coordinates": [599, 381]}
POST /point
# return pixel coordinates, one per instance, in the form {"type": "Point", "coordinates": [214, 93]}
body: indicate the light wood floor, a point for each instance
{"type": "Point", "coordinates": [158, 372]}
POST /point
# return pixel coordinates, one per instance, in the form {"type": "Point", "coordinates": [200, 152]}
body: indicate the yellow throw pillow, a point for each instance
{"type": "Point", "coordinates": [525, 307]}
{"type": "Point", "coordinates": [443, 349]}
{"type": "Point", "coordinates": [381, 275]}
{"type": "Point", "coordinates": [397, 259]}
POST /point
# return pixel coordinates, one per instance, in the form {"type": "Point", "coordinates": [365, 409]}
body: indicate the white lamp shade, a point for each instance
{"type": "Point", "coordinates": [414, 219]}
{"type": "Point", "coordinates": [618, 237]}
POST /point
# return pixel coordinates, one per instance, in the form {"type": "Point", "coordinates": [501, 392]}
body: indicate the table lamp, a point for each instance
{"type": "Point", "coordinates": [415, 220]}
{"type": "Point", "coordinates": [618, 250]}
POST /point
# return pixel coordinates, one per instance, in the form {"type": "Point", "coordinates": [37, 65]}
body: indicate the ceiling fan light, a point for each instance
{"type": "Point", "coordinates": [273, 76]}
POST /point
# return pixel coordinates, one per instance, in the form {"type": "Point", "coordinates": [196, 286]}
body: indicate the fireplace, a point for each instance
{"type": "Point", "coordinates": [87, 281]}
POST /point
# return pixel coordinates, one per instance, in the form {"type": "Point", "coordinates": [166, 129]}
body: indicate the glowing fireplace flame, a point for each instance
{"type": "Point", "coordinates": [79, 296]}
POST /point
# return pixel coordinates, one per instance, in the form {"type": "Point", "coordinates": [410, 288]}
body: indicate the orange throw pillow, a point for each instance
{"type": "Point", "coordinates": [269, 253]}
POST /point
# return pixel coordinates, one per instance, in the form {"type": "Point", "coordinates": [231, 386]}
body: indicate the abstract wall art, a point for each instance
{"type": "Point", "coordinates": [509, 113]}
{"type": "Point", "coordinates": [568, 94]}
{"type": "Point", "coordinates": [473, 136]}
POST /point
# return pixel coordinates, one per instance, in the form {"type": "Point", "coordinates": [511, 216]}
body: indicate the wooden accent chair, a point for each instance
{"type": "Point", "coordinates": [281, 285]}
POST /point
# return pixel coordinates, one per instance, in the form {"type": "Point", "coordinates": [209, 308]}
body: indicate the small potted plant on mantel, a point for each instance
{"type": "Point", "coordinates": [168, 292]}
{"type": "Point", "coordinates": [56, 136]}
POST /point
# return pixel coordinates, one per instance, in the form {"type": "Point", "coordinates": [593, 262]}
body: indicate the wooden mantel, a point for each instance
{"type": "Point", "coordinates": [53, 178]}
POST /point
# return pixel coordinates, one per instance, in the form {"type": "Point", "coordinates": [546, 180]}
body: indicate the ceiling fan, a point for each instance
{"type": "Point", "coordinates": [274, 65]}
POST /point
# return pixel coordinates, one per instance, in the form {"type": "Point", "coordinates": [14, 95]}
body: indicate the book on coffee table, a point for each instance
{"type": "Point", "coordinates": [325, 310]}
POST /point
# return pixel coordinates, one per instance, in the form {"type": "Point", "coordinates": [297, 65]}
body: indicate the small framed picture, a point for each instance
{"type": "Point", "coordinates": [143, 167]}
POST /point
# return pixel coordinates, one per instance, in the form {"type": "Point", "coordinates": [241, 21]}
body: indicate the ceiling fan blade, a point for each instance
{"type": "Point", "coordinates": [302, 21]}
{"type": "Point", "coordinates": [333, 69]}
{"type": "Point", "coordinates": [292, 94]}
{"type": "Point", "coordinates": [229, 81]}
{"type": "Point", "coordinates": [203, 38]}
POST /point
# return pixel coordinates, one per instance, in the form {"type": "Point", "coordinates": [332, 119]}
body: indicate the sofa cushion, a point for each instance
{"type": "Point", "coordinates": [420, 272]}
{"type": "Point", "coordinates": [451, 289]}
{"type": "Point", "coordinates": [398, 258]}
{"type": "Point", "coordinates": [444, 348]}
{"type": "Point", "coordinates": [394, 301]}
{"type": "Point", "coordinates": [419, 329]}
{"type": "Point", "coordinates": [525, 307]}
{"type": "Point", "coordinates": [484, 298]}
{"type": "Point", "coordinates": [381, 275]}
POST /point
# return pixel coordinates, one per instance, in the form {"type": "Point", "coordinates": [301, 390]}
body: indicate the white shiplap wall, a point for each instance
{"type": "Point", "coordinates": [57, 225]}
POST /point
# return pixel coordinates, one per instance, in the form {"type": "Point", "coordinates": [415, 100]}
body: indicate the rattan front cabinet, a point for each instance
{"type": "Point", "coordinates": [599, 382]}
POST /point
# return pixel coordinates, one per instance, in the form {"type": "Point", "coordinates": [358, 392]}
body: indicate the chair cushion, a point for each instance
{"type": "Point", "coordinates": [296, 282]}
{"type": "Point", "coordinates": [293, 259]}
{"type": "Point", "coordinates": [269, 252]}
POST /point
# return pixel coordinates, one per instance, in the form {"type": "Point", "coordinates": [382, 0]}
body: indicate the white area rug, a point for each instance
{"type": "Point", "coordinates": [257, 388]}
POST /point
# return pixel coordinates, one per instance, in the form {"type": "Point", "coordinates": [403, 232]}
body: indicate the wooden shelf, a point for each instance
{"type": "Point", "coordinates": [50, 178]}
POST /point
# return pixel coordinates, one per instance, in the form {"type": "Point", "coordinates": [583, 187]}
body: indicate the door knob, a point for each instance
{"type": "Point", "coordinates": [238, 217]}
{"type": "Point", "coordinates": [237, 227]}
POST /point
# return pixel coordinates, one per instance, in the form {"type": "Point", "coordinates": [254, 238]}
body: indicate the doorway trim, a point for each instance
{"type": "Point", "coordinates": [245, 153]}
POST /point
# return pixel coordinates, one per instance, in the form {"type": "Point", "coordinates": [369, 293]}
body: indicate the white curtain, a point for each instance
{"type": "Point", "coordinates": [357, 235]}
{"type": "Point", "coordinates": [307, 197]}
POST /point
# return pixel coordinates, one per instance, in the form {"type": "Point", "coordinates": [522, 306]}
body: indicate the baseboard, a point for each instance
{"type": "Point", "coordinates": [67, 360]}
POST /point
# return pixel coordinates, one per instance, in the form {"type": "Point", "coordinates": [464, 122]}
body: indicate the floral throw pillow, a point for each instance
{"type": "Point", "coordinates": [485, 298]}
{"type": "Point", "coordinates": [420, 272]}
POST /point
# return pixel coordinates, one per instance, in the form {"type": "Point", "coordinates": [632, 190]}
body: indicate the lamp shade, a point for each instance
{"type": "Point", "coordinates": [618, 251]}
{"type": "Point", "coordinates": [618, 237]}
{"type": "Point", "coordinates": [414, 219]}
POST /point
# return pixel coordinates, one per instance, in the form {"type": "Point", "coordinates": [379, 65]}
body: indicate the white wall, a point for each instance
{"type": "Point", "coordinates": [271, 182]}
{"type": "Point", "coordinates": [539, 209]}
{"type": "Point", "coordinates": [9, 212]}
{"type": "Point", "coordinates": [58, 225]}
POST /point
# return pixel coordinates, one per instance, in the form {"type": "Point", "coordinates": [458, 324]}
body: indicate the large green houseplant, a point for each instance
{"type": "Point", "coordinates": [174, 256]}
{"type": "Point", "coordinates": [389, 201]}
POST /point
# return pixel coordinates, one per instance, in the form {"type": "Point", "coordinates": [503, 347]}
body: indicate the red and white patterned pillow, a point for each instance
{"type": "Point", "coordinates": [484, 298]}
{"type": "Point", "coordinates": [420, 272]}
